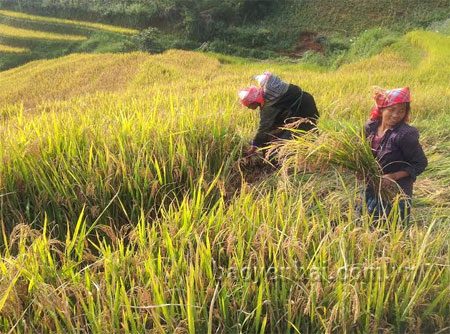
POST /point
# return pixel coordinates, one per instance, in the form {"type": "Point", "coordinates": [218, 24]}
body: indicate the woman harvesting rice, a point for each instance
{"type": "Point", "coordinates": [396, 147]}
{"type": "Point", "coordinates": [280, 103]}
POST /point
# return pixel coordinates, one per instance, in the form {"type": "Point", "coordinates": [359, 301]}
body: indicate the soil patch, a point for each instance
{"type": "Point", "coordinates": [251, 171]}
{"type": "Point", "coordinates": [308, 40]}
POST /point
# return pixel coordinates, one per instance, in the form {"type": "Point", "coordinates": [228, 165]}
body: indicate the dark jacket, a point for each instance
{"type": "Point", "coordinates": [295, 103]}
{"type": "Point", "coordinates": [399, 150]}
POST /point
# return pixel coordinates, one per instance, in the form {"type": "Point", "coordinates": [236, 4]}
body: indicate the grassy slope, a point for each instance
{"type": "Point", "coordinates": [95, 39]}
{"type": "Point", "coordinates": [350, 17]}
{"type": "Point", "coordinates": [97, 26]}
{"type": "Point", "coordinates": [160, 136]}
{"type": "Point", "coordinates": [279, 32]}
{"type": "Point", "coordinates": [88, 74]}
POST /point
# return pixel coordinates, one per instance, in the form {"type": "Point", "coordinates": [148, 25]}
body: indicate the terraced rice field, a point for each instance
{"type": "Point", "coordinates": [11, 49]}
{"type": "Point", "coordinates": [96, 26]}
{"type": "Point", "coordinates": [38, 37]}
{"type": "Point", "coordinates": [123, 207]}
{"type": "Point", "coordinates": [25, 33]}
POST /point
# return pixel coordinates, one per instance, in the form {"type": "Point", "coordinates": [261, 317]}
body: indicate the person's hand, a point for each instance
{"type": "Point", "coordinates": [359, 175]}
{"type": "Point", "coordinates": [250, 151]}
{"type": "Point", "coordinates": [387, 180]}
{"type": "Point", "coordinates": [247, 158]}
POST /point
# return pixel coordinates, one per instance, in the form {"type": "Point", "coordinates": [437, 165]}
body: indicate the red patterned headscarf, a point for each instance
{"type": "Point", "coordinates": [387, 98]}
{"type": "Point", "coordinates": [251, 95]}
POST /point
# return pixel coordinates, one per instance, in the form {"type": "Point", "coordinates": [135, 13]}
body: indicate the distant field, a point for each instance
{"type": "Point", "coordinates": [25, 33]}
{"type": "Point", "coordinates": [46, 38]}
{"type": "Point", "coordinates": [11, 49]}
{"type": "Point", "coordinates": [96, 26]}
{"type": "Point", "coordinates": [123, 207]}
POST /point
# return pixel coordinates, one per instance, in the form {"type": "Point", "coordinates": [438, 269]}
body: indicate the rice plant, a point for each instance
{"type": "Point", "coordinates": [121, 209]}
{"type": "Point", "coordinates": [6, 30]}
{"type": "Point", "coordinates": [338, 144]}
{"type": "Point", "coordinates": [99, 26]}
{"type": "Point", "coordinates": [12, 49]}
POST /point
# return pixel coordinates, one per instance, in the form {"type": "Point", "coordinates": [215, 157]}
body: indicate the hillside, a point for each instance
{"type": "Point", "coordinates": [123, 206]}
{"type": "Point", "coordinates": [25, 37]}
{"type": "Point", "coordinates": [322, 32]}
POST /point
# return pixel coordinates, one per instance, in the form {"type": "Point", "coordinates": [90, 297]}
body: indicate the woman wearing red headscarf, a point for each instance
{"type": "Point", "coordinates": [280, 103]}
{"type": "Point", "coordinates": [395, 145]}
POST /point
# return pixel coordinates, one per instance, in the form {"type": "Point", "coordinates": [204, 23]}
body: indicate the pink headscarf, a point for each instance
{"type": "Point", "coordinates": [251, 95]}
{"type": "Point", "coordinates": [388, 98]}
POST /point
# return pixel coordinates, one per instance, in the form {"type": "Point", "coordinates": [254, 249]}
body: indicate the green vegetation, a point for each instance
{"type": "Point", "coordinates": [9, 31]}
{"type": "Point", "coordinates": [97, 26]}
{"type": "Point", "coordinates": [341, 51]}
{"type": "Point", "coordinates": [339, 144]}
{"type": "Point", "coordinates": [123, 207]}
{"type": "Point", "coordinates": [338, 32]}
{"type": "Point", "coordinates": [50, 38]}
{"type": "Point", "coordinates": [11, 49]}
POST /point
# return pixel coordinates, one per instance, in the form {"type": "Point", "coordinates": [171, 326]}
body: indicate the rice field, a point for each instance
{"type": "Point", "coordinates": [123, 207]}
{"type": "Point", "coordinates": [97, 26]}
{"type": "Point", "coordinates": [50, 38]}
{"type": "Point", "coordinates": [10, 31]}
{"type": "Point", "coordinates": [12, 49]}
